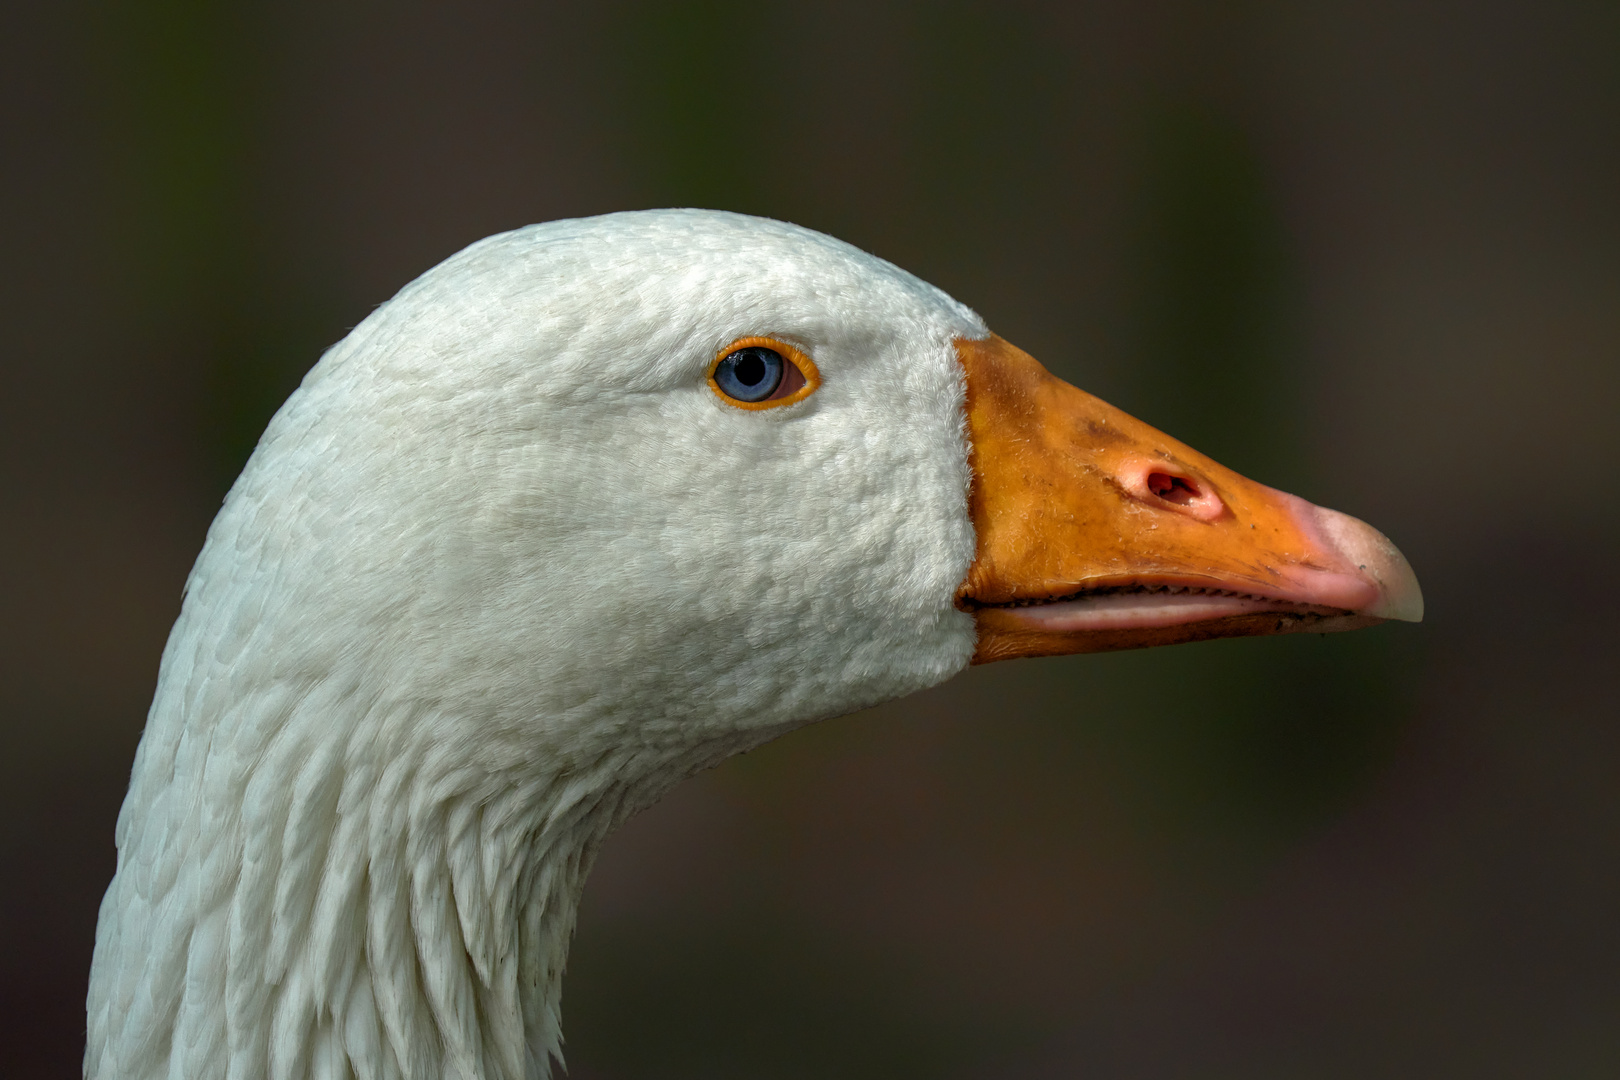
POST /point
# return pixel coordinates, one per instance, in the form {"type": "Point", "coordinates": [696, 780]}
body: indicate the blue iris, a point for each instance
{"type": "Point", "coordinates": [750, 374]}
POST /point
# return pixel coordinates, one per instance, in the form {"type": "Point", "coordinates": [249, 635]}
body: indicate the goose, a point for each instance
{"type": "Point", "coordinates": [584, 510]}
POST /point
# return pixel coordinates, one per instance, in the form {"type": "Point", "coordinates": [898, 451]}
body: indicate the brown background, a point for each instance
{"type": "Point", "coordinates": [1366, 251]}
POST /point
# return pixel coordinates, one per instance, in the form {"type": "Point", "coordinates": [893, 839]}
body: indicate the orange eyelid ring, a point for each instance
{"type": "Point", "coordinates": [799, 379]}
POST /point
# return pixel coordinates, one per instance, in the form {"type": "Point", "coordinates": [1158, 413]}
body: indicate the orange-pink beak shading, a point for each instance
{"type": "Point", "coordinates": [1097, 532]}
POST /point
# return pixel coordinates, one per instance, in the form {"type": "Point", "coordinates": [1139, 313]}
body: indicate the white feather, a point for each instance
{"type": "Point", "coordinates": [501, 572]}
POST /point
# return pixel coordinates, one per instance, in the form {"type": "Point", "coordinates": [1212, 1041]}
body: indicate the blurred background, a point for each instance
{"type": "Point", "coordinates": [1368, 252]}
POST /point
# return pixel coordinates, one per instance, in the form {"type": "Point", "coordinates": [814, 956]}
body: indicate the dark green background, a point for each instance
{"type": "Point", "coordinates": [1369, 253]}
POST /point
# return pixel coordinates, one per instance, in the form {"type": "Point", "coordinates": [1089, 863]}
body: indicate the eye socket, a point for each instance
{"type": "Point", "coordinates": [762, 373]}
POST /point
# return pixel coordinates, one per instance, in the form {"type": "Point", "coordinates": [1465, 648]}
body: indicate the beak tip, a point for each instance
{"type": "Point", "coordinates": [1373, 555]}
{"type": "Point", "coordinates": [1403, 604]}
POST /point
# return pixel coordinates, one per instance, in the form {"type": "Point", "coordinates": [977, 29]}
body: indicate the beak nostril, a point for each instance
{"type": "Point", "coordinates": [1151, 482]}
{"type": "Point", "coordinates": [1175, 489]}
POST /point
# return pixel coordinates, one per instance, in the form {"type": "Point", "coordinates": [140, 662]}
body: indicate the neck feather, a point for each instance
{"type": "Point", "coordinates": [291, 904]}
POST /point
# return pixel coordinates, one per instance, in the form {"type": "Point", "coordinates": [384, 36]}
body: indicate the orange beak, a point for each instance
{"type": "Point", "coordinates": [1097, 532]}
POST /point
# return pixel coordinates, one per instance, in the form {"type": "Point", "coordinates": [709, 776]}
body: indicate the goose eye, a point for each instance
{"type": "Point", "coordinates": [750, 374]}
{"type": "Point", "coordinates": [762, 373]}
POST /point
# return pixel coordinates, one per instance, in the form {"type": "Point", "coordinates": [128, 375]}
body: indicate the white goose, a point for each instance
{"type": "Point", "coordinates": [584, 510]}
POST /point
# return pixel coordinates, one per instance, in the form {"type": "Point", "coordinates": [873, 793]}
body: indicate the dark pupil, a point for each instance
{"type": "Point", "coordinates": [750, 368]}
{"type": "Point", "coordinates": [750, 374]}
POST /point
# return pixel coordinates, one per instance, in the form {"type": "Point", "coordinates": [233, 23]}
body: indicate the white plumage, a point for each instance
{"type": "Point", "coordinates": [510, 564]}
{"type": "Point", "coordinates": [501, 572]}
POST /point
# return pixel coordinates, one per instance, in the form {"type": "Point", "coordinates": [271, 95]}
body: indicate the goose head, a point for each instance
{"type": "Point", "coordinates": [587, 508]}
